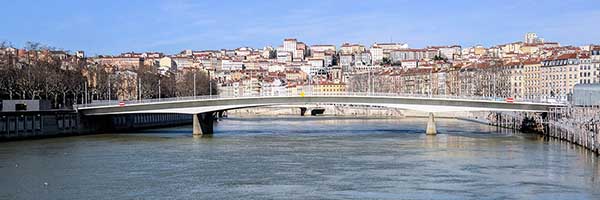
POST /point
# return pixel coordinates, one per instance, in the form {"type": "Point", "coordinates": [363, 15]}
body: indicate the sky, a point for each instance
{"type": "Point", "coordinates": [169, 26]}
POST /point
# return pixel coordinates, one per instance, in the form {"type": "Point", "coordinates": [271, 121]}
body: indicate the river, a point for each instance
{"type": "Point", "coordinates": [301, 158]}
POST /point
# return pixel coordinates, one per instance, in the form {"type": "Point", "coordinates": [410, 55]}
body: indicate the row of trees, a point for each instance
{"type": "Point", "coordinates": [494, 81]}
{"type": "Point", "coordinates": [73, 80]}
{"type": "Point", "coordinates": [40, 79]}
{"type": "Point", "coordinates": [145, 82]}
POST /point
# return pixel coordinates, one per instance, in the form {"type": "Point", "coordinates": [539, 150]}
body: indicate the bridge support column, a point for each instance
{"type": "Point", "coordinates": [203, 124]}
{"type": "Point", "coordinates": [303, 111]}
{"type": "Point", "coordinates": [431, 129]}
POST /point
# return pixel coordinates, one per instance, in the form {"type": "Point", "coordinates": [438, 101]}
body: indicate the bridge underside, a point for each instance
{"type": "Point", "coordinates": [204, 109]}
{"type": "Point", "coordinates": [203, 123]}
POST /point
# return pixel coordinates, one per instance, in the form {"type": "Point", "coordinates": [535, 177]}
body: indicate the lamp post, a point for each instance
{"type": "Point", "coordinates": [431, 83]}
{"type": "Point", "coordinates": [368, 81]}
{"type": "Point", "coordinates": [309, 84]}
{"type": "Point", "coordinates": [195, 84]}
{"type": "Point", "coordinates": [494, 90]}
{"type": "Point", "coordinates": [590, 98]}
{"type": "Point", "coordinates": [139, 89]}
{"type": "Point", "coordinates": [159, 77]}
{"type": "Point", "coordinates": [86, 92]}
{"type": "Point", "coordinates": [108, 81]}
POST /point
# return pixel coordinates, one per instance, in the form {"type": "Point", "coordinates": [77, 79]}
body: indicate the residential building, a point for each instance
{"type": "Point", "coordinates": [329, 88]}
{"type": "Point", "coordinates": [290, 44]}
{"type": "Point", "coordinates": [165, 64]}
{"type": "Point", "coordinates": [531, 38]}
{"type": "Point", "coordinates": [322, 48]}
{"type": "Point", "coordinates": [448, 52]}
{"type": "Point", "coordinates": [346, 61]}
{"type": "Point", "coordinates": [230, 65]}
{"type": "Point", "coordinates": [559, 76]}
{"type": "Point", "coordinates": [532, 78]}
{"type": "Point", "coordinates": [376, 54]}
{"type": "Point", "coordinates": [595, 57]}
{"type": "Point", "coordinates": [284, 56]}
{"type": "Point", "coordinates": [316, 62]}
{"type": "Point", "coordinates": [391, 46]}
{"type": "Point", "coordinates": [123, 63]}
{"type": "Point", "coordinates": [587, 70]}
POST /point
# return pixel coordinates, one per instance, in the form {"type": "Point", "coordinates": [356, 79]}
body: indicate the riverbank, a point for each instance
{"type": "Point", "coordinates": [24, 125]}
{"type": "Point", "coordinates": [576, 125]}
{"type": "Point", "coordinates": [38, 124]}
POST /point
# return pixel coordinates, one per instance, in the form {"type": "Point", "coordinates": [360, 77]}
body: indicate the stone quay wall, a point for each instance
{"type": "Point", "coordinates": [576, 125]}
{"type": "Point", "coordinates": [42, 124]}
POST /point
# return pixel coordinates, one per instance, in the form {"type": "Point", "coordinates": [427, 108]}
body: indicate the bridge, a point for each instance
{"type": "Point", "coordinates": [204, 108]}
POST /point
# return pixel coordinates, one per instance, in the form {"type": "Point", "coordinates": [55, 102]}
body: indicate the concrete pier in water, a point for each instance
{"type": "Point", "coordinates": [431, 129]}
{"type": "Point", "coordinates": [203, 124]}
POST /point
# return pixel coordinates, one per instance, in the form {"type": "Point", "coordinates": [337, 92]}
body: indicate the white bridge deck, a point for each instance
{"type": "Point", "coordinates": [426, 103]}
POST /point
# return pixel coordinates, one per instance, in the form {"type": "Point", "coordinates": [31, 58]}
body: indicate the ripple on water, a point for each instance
{"type": "Point", "coordinates": [301, 158]}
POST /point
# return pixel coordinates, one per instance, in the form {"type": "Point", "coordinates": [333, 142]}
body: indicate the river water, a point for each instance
{"type": "Point", "coordinates": [301, 158]}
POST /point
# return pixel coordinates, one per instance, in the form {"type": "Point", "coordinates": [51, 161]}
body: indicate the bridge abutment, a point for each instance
{"type": "Point", "coordinates": [431, 129]}
{"type": "Point", "coordinates": [203, 124]}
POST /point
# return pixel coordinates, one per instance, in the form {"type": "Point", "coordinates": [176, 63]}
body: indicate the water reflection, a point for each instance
{"type": "Point", "coordinates": [203, 137]}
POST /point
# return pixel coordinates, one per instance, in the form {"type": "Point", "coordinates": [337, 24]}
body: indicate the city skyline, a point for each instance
{"type": "Point", "coordinates": [312, 99]}
{"type": "Point", "coordinates": [111, 28]}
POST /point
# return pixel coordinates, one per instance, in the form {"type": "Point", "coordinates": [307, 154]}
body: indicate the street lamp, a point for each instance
{"type": "Point", "coordinates": [209, 84]}
{"type": "Point", "coordinates": [109, 88]}
{"type": "Point", "coordinates": [590, 98]}
{"type": "Point", "coordinates": [159, 77]}
{"type": "Point", "coordinates": [194, 84]}
{"type": "Point", "coordinates": [86, 91]}
{"type": "Point", "coordinates": [368, 81]}
{"type": "Point", "coordinates": [139, 89]}
{"type": "Point", "coordinates": [494, 90]}
{"type": "Point", "coordinates": [431, 83]}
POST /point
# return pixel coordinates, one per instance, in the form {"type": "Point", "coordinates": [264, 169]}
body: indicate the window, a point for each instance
{"type": "Point", "coordinates": [20, 107]}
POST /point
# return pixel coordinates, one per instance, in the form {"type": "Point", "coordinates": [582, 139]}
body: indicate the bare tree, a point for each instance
{"type": "Point", "coordinates": [148, 78]}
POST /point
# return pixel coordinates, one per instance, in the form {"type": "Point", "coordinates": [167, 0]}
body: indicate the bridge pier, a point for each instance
{"type": "Point", "coordinates": [431, 129]}
{"type": "Point", "coordinates": [303, 111]}
{"type": "Point", "coordinates": [203, 124]}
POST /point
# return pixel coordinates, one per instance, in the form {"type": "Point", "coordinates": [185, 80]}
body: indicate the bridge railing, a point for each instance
{"type": "Point", "coordinates": [145, 101]}
{"type": "Point", "coordinates": [308, 93]}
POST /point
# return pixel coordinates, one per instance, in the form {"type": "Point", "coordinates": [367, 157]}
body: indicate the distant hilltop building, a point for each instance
{"type": "Point", "coordinates": [80, 54]}
{"type": "Point", "coordinates": [532, 38]}
{"type": "Point", "coordinates": [391, 46]}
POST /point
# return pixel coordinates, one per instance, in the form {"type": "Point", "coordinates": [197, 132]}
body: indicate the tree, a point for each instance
{"type": "Point", "coordinates": [386, 61]}
{"type": "Point", "coordinates": [167, 85]}
{"type": "Point", "coordinates": [5, 44]}
{"type": "Point", "coordinates": [8, 76]}
{"type": "Point", "coordinates": [148, 78]}
{"type": "Point", "coordinates": [439, 58]}
{"type": "Point", "coordinates": [185, 83]}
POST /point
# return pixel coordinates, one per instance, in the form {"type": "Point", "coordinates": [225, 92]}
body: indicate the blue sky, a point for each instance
{"type": "Point", "coordinates": [113, 26]}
